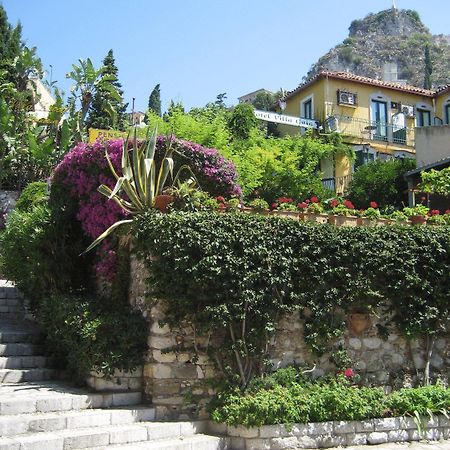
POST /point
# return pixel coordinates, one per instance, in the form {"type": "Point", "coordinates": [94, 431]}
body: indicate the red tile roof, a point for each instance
{"type": "Point", "coordinates": [362, 80]}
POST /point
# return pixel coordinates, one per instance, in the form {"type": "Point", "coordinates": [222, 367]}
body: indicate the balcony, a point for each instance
{"type": "Point", "coordinates": [339, 185]}
{"type": "Point", "coordinates": [366, 130]}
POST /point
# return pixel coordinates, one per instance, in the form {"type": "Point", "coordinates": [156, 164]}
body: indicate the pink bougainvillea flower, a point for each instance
{"type": "Point", "coordinates": [447, 211]}
{"type": "Point", "coordinates": [373, 205]}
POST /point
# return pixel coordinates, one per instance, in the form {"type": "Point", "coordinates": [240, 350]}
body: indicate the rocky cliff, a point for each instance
{"type": "Point", "coordinates": [390, 36]}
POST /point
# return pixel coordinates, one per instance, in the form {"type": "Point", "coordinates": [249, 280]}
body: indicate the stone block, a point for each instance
{"type": "Point", "coordinates": [444, 421]}
{"type": "Point", "coordinates": [9, 444]}
{"type": "Point", "coordinates": [83, 438]}
{"type": "Point", "coordinates": [161, 342]}
{"type": "Point", "coordinates": [307, 442]}
{"type": "Point", "coordinates": [60, 403]}
{"type": "Point", "coordinates": [157, 329]}
{"type": "Point", "coordinates": [342, 427]}
{"type": "Point", "coordinates": [161, 388]}
{"type": "Point", "coordinates": [162, 371]}
{"type": "Point", "coordinates": [372, 343]}
{"type": "Point", "coordinates": [272, 431]}
{"type": "Point", "coordinates": [14, 425]}
{"type": "Point", "coordinates": [413, 435]}
{"type": "Point", "coordinates": [17, 406]}
{"type": "Point", "coordinates": [236, 443]}
{"type": "Point", "coordinates": [164, 357]}
{"type": "Point", "coordinates": [125, 435]}
{"type": "Point", "coordinates": [192, 427]}
{"type": "Point", "coordinates": [175, 400]}
{"type": "Point", "coordinates": [315, 428]}
{"type": "Point", "coordinates": [284, 443]}
{"type": "Point", "coordinates": [38, 442]}
{"type": "Point", "coordinates": [258, 444]}
{"type": "Point", "coordinates": [47, 423]}
{"type": "Point", "coordinates": [126, 398]}
{"type": "Point", "coordinates": [407, 423]}
{"type": "Point", "coordinates": [356, 439]}
{"type": "Point", "coordinates": [377, 437]}
{"type": "Point", "coordinates": [398, 436]}
{"type": "Point", "coordinates": [88, 419]}
{"type": "Point", "coordinates": [217, 428]}
{"type": "Point", "coordinates": [355, 343]}
{"type": "Point", "coordinates": [241, 431]}
{"type": "Point", "coordinates": [328, 441]}
{"type": "Point", "coordinates": [388, 424]}
{"type": "Point", "coordinates": [185, 371]}
{"type": "Point", "coordinates": [163, 430]}
{"type": "Point", "coordinates": [432, 422]}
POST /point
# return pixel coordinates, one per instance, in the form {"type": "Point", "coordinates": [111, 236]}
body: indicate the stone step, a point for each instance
{"type": "Point", "coordinates": [16, 315]}
{"type": "Point", "coordinates": [10, 302]}
{"type": "Point", "coordinates": [11, 425]}
{"type": "Point", "coordinates": [102, 436]}
{"type": "Point", "coordinates": [19, 349]}
{"type": "Point", "coordinates": [11, 309]}
{"type": "Point", "coordinates": [7, 290]}
{"type": "Point", "coordinates": [19, 337]}
{"type": "Point", "coordinates": [24, 362]}
{"type": "Point", "coordinates": [24, 375]}
{"type": "Point", "coordinates": [197, 442]}
{"type": "Point", "coordinates": [44, 397]}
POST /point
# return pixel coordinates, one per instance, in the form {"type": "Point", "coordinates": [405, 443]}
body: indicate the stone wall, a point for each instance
{"type": "Point", "coordinates": [333, 434]}
{"type": "Point", "coordinates": [8, 200]}
{"type": "Point", "coordinates": [175, 375]}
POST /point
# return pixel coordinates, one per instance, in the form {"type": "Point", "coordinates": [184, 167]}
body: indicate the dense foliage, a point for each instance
{"type": "Point", "coordinates": [287, 397]}
{"type": "Point", "coordinates": [382, 182]}
{"type": "Point", "coordinates": [436, 181]}
{"type": "Point", "coordinates": [237, 274]}
{"type": "Point", "coordinates": [34, 194]}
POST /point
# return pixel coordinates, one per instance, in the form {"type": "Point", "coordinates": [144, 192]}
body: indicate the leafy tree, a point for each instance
{"type": "Point", "coordinates": [154, 101]}
{"type": "Point", "coordinates": [382, 182]}
{"type": "Point", "coordinates": [264, 101]}
{"type": "Point", "coordinates": [107, 109]}
{"type": "Point", "coordinates": [428, 68]}
{"type": "Point", "coordinates": [220, 100]}
{"type": "Point", "coordinates": [242, 121]}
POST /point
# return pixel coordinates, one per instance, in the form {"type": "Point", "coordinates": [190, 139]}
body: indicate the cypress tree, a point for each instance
{"type": "Point", "coordinates": [428, 68]}
{"type": "Point", "coordinates": [99, 115]}
{"type": "Point", "coordinates": [154, 101]}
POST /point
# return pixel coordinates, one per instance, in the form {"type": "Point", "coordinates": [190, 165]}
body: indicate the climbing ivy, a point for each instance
{"type": "Point", "coordinates": [235, 275]}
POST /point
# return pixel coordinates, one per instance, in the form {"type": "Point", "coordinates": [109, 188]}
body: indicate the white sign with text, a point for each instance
{"type": "Point", "coordinates": [286, 120]}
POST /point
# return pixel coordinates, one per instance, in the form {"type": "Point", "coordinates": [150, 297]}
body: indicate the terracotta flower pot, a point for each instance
{"type": "Point", "coordinates": [290, 214]}
{"type": "Point", "coordinates": [359, 322]}
{"type": "Point", "coordinates": [163, 201]}
{"type": "Point", "coordinates": [363, 222]}
{"type": "Point", "coordinates": [318, 218]}
{"type": "Point", "coordinates": [349, 221]}
{"type": "Point", "coordinates": [418, 220]}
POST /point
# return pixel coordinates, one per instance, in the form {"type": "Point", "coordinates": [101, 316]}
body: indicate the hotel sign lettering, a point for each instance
{"type": "Point", "coordinates": [286, 120]}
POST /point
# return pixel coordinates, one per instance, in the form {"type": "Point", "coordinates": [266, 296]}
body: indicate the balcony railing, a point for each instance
{"type": "Point", "coordinates": [339, 185]}
{"type": "Point", "coordinates": [374, 131]}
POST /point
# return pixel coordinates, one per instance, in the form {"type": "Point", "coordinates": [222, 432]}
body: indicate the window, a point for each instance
{"type": "Point", "coordinates": [447, 113]}
{"type": "Point", "coordinates": [423, 118]}
{"type": "Point", "coordinates": [363, 156]}
{"type": "Point", "coordinates": [307, 109]}
{"type": "Point", "coordinates": [378, 111]}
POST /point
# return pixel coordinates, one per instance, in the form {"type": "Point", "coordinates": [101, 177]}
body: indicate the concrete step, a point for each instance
{"type": "Point", "coordinates": [7, 290]}
{"type": "Point", "coordinates": [19, 349]}
{"type": "Point", "coordinates": [24, 362]}
{"type": "Point", "coordinates": [11, 425]}
{"type": "Point", "coordinates": [19, 337]}
{"type": "Point", "coordinates": [10, 302]}
{"type": "Point", "coordinates": [197, 442]}
{"type": "Point", "coordinates": [102, 436]}
{"type": "Point", "coordinates": [44, 397]}
{"type": "Point", "coordinates": [24, 375]}
{"type": "Point", "coordinates": [15, 315]}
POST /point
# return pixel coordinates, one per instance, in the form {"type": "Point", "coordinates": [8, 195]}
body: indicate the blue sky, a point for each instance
{"type": "Point", "coordinates": [197, 49]}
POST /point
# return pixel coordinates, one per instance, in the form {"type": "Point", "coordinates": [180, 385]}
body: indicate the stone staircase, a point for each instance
{"type": "Point", "coordinates": [38, 413]}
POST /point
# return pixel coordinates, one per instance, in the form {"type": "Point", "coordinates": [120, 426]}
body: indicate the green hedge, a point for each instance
{"type": "Point", "coordinates": [303, 401]}
{"type": "Point", "coordinates": [238, 273]}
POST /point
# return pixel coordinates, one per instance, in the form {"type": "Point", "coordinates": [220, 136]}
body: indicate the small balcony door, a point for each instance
{"type": "Point", "coordinates": [378, 112]}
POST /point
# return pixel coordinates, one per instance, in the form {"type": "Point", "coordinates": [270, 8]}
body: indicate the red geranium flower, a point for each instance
{"type": "Point", "coordinates": [434, 212]}
{"type": "Point", "coordinates": [348, 373]}
{"type": "Point", "coordinates": [220, 199]}
{"type": "Point", "coordinates": [373, 205]}
{"type": "Point", "coordinates": [348, 204]}
{"type": "Point", "coordinates": [447, 211]}
{"type": "Point", "coordinates": [302, 205]}
{"type": "Point", "coordinates": [314, 199]}
{"type": "Point", "coordinates": [222, 206]}
{"type": "Point", "coordinates": [274, 205]}
{"type": "Point", "coordinates": [334, 203]}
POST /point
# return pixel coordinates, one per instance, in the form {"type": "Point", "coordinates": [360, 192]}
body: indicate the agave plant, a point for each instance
{"type": "Point", "coordinates": [141, 181]}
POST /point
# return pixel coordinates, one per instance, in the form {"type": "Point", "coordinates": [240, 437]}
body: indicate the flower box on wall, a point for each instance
{"type": "Point", "coordinates": [349, 221]}
{"type": "Point", "coordinates": [318, 218]}
{"type": "Point", "coordinates": [281, 213]}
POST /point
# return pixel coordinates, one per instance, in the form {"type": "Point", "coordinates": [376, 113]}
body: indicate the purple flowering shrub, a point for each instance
{"type": "Point", "coordinates": [85, 168]}
{"type": "Point", "coordinates": [216, 175]}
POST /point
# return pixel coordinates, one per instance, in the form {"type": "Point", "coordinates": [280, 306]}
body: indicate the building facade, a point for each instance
{"type": "Point", "coordinates": [377, 118]}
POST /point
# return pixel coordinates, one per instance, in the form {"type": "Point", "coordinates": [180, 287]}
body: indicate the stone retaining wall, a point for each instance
{"type": "Point", "coordinates": [8, 200]}
{"type": "Point", "coordinates": [333, 434]}
{"type": "Point", "coordinates": [119, 381]}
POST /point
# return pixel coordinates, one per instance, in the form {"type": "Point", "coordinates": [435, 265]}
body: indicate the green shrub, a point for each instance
{"type": "Point", "coordinates": [300, 401]}
{"type": "Point", "coordinates": [381, 182]}
{"type": "Point", "coordinates": [42, 255]}
{"type": "Point", "coordinates": [33, 194]}
{"type": "Point", "coordinates": [86, 334]}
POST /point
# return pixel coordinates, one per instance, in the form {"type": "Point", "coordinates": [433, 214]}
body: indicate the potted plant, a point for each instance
{"type": "Point", "coordinates": [343, 214]}
{"type": "Point", "coordinates": [417, 215]}
{"type": "Point", "coordinates": [436, 218]}
{"type": "Point", "coordinates": [369, 216]}
{"type": "Point", "coordinates": [399, 217]}
{"type": "Point", "coordinates": [285, 207]}
{"type": "Point", "coordinates": [260, 206]}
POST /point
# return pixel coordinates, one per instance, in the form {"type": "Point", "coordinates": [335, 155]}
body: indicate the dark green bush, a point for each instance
{"type": "Point", "coordinates": [34, 194]}
{"type": "Point", "coordinates": [42, 255]}
{"type": "Point", "coordinates": [381, 182]}
{"type": "Point", "coordinates": [86, 334]}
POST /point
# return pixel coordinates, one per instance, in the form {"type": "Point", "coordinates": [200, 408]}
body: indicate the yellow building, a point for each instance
{"type": "Point", "coordinates": [377, 118]}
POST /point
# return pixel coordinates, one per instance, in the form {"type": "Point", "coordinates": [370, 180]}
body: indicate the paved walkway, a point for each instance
{"type": "Point", "coordinates": [433, 445]}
